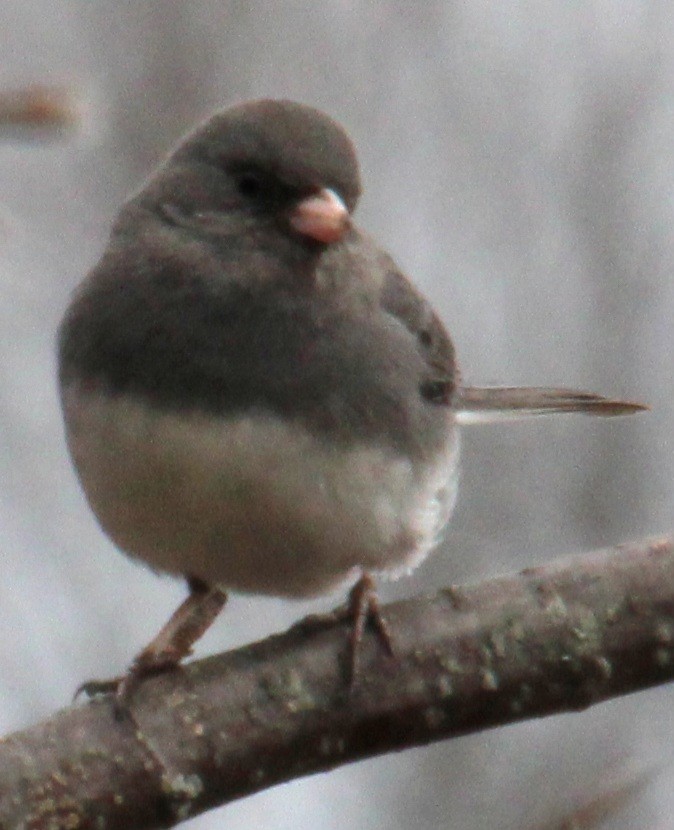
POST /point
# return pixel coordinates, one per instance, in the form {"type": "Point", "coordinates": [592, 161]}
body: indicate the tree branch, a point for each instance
{"type": "Point", "coordinates": [551, 639]}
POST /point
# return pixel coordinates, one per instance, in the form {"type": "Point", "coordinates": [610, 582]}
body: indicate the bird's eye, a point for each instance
{"type": "Point", "coordinates": [249, 184]}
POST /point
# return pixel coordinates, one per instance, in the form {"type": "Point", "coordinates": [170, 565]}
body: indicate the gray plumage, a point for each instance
{"type": "Point", "coordinates": [209, 318]}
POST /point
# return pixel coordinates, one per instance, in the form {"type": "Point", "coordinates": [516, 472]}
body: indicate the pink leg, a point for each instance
{"type": "Point", "coordinates": [172, 644]}
{"type": "Point", "coordinates": [364, 607]}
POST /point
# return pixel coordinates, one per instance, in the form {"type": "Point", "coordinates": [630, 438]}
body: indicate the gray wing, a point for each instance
{"type": "Point", "coordinates": [400, 299]}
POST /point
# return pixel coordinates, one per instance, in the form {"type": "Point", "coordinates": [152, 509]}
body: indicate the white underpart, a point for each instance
{"type": "Point", "coordinates": [475, 417]}
{"type": "Point", "coordinates": [253, 503]}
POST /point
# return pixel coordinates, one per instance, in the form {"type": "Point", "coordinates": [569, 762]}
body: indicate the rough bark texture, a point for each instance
{"type": "Point", "coordinates": [551, 639]}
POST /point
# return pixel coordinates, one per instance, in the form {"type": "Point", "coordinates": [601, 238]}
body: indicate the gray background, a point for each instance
{"type": "Point", "coordinates": [518, 162]}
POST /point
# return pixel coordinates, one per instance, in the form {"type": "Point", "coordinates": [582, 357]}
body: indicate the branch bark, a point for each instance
{"type": "Point", "coordinates": [551, 639]}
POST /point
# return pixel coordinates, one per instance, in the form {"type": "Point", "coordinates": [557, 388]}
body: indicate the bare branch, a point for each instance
{"type": "Point", "coordinates": [551, 639]}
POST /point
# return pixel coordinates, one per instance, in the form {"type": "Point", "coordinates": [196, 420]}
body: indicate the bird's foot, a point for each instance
{"type": "Point", "coordinates": [123, 687]}
{"type": "Point", "coordinates": [363, 608]}
{"type": "Point", "coordinates": [171, 645]}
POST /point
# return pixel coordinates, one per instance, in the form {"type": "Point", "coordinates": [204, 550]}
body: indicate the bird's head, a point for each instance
{"type": "Point", "coordinates": [275, 163]}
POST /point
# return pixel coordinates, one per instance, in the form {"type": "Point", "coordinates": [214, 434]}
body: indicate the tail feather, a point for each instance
{"type": "Point", "coordinates": [475, 405]}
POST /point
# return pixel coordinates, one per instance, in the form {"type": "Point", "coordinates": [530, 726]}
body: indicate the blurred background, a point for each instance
{"type": "Point", "coordinates": [517, 159]}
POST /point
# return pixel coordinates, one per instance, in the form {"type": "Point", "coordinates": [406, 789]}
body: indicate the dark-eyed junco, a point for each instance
{"type": "Point", "coordinates": [255, 397]}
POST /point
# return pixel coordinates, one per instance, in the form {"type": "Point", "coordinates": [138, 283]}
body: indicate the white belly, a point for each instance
{"type": "Point", "coordinates": [251, 503]}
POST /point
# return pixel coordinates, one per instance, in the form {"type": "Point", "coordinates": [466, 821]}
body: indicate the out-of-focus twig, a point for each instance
{"type": "Point", "coordinates": [38, 111]}
{"type": "Point", "coordinates": [551, 639]}
{"type": "Point", "coordinates": [610, 796]}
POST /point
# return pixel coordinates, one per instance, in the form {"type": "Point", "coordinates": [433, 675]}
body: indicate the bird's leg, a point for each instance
{"type": "Point", "coordinates": [363, 607]}
{"type": "Point", "coordinates": [188, 623]}
{"type": "Point", "coordinates": [171, 645]}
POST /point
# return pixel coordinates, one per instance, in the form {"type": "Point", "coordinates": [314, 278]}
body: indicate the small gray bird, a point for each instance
{"type": "Point", "coordinates": [255, 397]}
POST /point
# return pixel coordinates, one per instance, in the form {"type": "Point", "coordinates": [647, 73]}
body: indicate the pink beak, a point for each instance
{"type": "Point", "coordinates": [322, 217]}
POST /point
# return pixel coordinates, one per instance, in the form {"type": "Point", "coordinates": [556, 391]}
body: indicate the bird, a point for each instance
{"type": "Point", "coordinates": [255, 397]}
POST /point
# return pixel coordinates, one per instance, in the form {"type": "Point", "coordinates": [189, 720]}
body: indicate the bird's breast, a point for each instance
{"type": "Point", "coordinates": [253, 501]}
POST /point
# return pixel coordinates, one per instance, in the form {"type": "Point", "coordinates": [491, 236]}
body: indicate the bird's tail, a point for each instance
{"type": "Point", "coordinates": [481, 405]}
